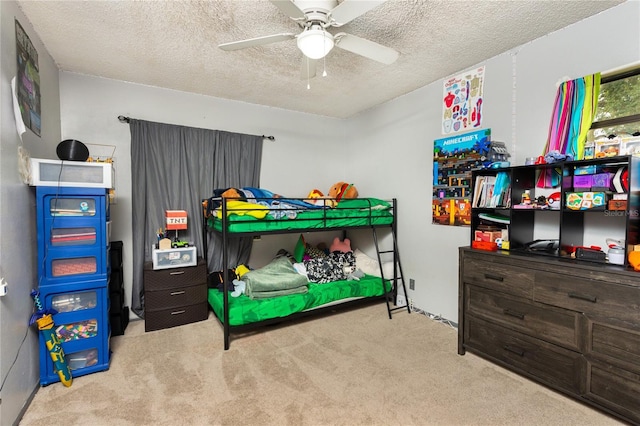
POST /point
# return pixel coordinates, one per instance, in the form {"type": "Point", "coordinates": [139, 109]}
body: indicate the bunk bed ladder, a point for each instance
{"type": "Point", "coordinates": [392, 296]}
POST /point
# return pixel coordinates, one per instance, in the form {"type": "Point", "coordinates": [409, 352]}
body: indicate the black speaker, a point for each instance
{"type": "Point", "coordinates": [72, 150]}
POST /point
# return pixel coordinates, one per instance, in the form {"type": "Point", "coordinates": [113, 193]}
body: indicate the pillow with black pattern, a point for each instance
{"type": "Point", "coordinates": [346, 260]}
{"type": "Point", "coordinates": [324, 270]}
{"type": "Point", "coordinates": [314, 252]}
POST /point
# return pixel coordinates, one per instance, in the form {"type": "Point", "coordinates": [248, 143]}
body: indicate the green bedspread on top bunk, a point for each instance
{"type": "Point", "coordinates": [348, 213]}
{"type": "Point", "coordinates": [243, 310]}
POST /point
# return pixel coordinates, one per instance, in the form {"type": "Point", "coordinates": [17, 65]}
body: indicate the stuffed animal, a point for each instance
{"type": "Point", "coordinates": [634, 260]}
{"type": "Point", "coordinates": [343, 190]}
{"type": "Point", "coordinates": [340, 246]}
{"type": "Point", "coordinates": [316, 197]}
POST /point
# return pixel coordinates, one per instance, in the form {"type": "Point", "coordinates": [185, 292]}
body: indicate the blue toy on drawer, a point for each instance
{"type": "Point", "coordinates": [73, 271]}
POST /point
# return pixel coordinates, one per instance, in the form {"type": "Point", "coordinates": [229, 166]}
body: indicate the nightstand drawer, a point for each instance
{"type": "Point", "coordinates": [166, 279]}
{"type": "Point", "coordinates": [156, 320]}
{"type": "Point", "coordinates": [552, 364]}
{"type": "Point", "coordinates": [175, 297]}
{"type": "Point", "coordinates": [499, 276]}
{"type": "Point", "coordinates": [551, 324]}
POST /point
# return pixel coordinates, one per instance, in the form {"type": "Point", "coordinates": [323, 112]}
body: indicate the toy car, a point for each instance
{"type": "Point", "coordinates": [179, 244]}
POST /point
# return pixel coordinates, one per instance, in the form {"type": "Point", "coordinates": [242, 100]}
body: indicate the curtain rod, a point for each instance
{"type": "Point", "coordinates": [123, 119]}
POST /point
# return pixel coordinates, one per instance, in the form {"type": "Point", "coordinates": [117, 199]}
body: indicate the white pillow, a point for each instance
{"type": "Point", "coordinates": [370, 266]}
{"type": "Point", "coordinates": [366, 264]}
{"type": "Point", "coordinates": [387, 269]}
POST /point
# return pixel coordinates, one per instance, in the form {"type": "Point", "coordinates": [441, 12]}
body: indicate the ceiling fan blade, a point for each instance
{"type": "Point", "coordinates": [348, 10]}
{"type": "Point", "coordinates": [258, 41]}
{"type": "Point", "coordinates": [289, 8]}
{"type": "Point", "coordinates": [308, 68]}
{"type": "Point", "coordinates": [367, 48]}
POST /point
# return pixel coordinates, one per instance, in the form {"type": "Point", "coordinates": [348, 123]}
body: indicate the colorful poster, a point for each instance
{"type": "Point", "coordinates": [462, 102]}
{"type": "Point", "coordinates": [453, 159]}
{"type": "Point", "coordinates": [28, 80]}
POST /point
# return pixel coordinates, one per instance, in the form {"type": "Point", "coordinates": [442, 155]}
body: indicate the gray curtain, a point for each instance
{"type": "Point", "coordinates": [175, 168]}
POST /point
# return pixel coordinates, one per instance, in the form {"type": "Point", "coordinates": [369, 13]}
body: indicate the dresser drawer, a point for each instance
{"type": "Point", "coordinates": [175, 297]}
{"type": "Point", "coordinates": [156, 320]}
{"type": "Point", "coordinates": [507, 278]}
{"type": "Point", "coordinates": [551, 324]}
{"type": "Point", "coordinates": [614, 302]}
{"type": "Point", "coordinates": [614, 388]}
{"type": "Point", "coordinates": [552, 364]}
{"type": "Point", "coordinates": [616, 345]}
{"type": "Point", "coordinates": [166, 279]}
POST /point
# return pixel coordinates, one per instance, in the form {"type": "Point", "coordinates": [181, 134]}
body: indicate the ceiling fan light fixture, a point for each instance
{"type": "Point", "coordinates": [315, 43]}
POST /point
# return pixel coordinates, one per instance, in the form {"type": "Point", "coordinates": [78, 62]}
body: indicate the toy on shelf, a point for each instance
{"type": "Point", "coordinates": [44, 319]}
{"type": "Point", "coordinates": [175, 220]}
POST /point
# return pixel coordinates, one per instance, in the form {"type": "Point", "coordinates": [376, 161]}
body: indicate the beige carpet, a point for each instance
{"type": "Point", "coordinates": [353, 368]}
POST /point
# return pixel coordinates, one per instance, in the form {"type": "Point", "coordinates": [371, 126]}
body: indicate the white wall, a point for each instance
{"type": "Point", "coordinates": [19, 372]}
{"type": "Point", "coordinates": [302, 157]}
{"type": "Point", "coordinates": [520, 87]}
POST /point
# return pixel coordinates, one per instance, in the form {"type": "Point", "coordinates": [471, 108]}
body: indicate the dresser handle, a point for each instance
{"type": "Point", "coordinates": [586, 297]}
{"type": "Point", "coordinates": [494, 277]}
{"type": "Point", "coordinates": [178, 312]}
{"type": "Point", "coordinates": [176, 293]}
{"type": "Point", "coordinates": [176, 273]}
{"type": "Point", "coordinates": [513, 313]}
{"type": "Point", "coordinates": [517, 351]}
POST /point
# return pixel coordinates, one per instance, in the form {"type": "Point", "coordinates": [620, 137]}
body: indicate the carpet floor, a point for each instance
{"type": "Point", "coordinates": [355, 367]}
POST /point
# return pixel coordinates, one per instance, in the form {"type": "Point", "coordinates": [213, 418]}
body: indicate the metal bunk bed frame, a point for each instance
{"type": "Point", "coordinates": [390, 297]}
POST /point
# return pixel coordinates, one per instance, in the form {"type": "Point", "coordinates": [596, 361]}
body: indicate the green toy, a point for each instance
{"type": "Point", "coordinates": [44, 319]}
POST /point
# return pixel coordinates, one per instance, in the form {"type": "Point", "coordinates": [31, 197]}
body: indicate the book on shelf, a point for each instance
{"type": "Point", "coordinates": [492, 191]}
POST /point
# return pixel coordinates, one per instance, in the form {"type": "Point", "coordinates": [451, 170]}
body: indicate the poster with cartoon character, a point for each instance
{"type": "Point", "coordinates": [462, 102]}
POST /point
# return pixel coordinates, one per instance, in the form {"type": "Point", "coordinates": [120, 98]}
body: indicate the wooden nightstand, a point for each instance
{"type": "Point", "coordinates": [174, 296]}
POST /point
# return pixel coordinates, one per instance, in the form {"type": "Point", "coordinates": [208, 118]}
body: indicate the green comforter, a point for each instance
{"type": "Point", "coordinates": [244, 310]}
{"type": "Point", "coordinates": [278, 278]}
{"type": "Point", "coordinates": [348, 213]}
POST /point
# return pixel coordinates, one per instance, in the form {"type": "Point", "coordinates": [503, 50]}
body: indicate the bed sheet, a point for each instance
{"type": "Point", "coordinates": [348, 213]}
{"type": "Point", "coordinates": [243, 310]}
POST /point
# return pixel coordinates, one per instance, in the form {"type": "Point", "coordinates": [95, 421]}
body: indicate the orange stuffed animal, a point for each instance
{"type": "Point", "coordinates": [634, 260]}
{"type": "Point", "coordinates": [343, 190]}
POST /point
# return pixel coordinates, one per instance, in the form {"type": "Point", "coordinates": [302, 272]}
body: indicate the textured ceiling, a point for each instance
{"type": "Point", "coordinates": [173, 44]}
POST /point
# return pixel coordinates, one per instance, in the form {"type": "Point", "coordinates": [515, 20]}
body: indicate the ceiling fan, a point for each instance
{"type": "Point", "coordinates": [315, 42]}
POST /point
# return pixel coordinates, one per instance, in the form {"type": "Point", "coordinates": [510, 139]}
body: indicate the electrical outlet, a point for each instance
{"type": "Point", "coordinates": [412, 284]}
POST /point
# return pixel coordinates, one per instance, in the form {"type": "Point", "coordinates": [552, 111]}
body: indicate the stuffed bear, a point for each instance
{"type": "Point", "coordinates": [343, 190]}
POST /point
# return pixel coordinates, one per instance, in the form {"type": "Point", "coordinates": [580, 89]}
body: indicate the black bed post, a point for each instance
{"type": "Point", "coordinates": [225, 280]}
{"type": "Point", "coordinates": [396, 257]}
{"type": "Point", "coordinates": [205, 247]}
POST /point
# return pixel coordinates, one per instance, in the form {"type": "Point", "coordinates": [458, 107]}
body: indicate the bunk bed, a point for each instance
{"type": "Point", "coordinates": [234, 217]}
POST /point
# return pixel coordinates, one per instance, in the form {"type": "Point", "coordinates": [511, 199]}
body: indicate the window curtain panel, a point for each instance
{"type": "Point", "coordinates": [573, 113]}
{"type": "Point", "coordinates": [175, 168]}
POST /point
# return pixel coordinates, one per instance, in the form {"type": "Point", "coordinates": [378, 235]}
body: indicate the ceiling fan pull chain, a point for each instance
{"type": "Point", "coordinates": [324, 58]}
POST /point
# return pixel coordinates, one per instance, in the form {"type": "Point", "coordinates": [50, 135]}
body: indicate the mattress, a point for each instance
{"type": "Point", "coordinates": [243, 310]}
{"type": "Point", "coordinates": [348, 213]}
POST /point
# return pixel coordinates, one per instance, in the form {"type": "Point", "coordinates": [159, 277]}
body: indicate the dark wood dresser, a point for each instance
{"type": "Point", "coordinates": [174, 296]}
{"type": "Point", "coordinates": [573, 326]}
